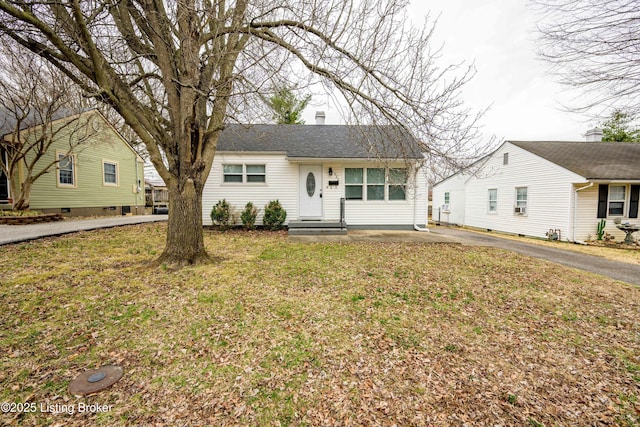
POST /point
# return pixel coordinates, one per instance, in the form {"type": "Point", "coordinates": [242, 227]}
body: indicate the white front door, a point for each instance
{"type": "Point", "coordinates": [310, 197]}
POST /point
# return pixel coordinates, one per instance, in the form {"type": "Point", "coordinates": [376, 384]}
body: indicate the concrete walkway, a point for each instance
{"type": "Point", "coordinates": [22, 233]}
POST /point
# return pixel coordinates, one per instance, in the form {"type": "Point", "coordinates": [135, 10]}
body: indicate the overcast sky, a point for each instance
{"type": "Point", "coordinates": [498, 36]}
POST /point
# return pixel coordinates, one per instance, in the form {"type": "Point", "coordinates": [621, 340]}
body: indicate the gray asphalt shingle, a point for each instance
{"type": "Point", "coordinates": [592, 160]}
{"type": "Point", "coordinates": [321, 141]}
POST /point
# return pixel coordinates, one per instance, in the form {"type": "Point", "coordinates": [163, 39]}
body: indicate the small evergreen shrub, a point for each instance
{"type": "Point", "coordinates": [248, 216]}
{"type": "Point", "coordinates": [274, 215]}
{"type": "Point", "coordinates": [221, 214]}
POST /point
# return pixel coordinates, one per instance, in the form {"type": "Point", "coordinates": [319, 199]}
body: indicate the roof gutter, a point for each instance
{"type": "Point", "coordinates": [575, 211]}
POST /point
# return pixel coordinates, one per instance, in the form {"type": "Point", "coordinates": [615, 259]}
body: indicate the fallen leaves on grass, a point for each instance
{"type": "Point", "coordinates": [278, 333]}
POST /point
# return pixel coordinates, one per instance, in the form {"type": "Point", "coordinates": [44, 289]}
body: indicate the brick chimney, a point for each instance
{"type": "Point", "coordinates": [594, 135]}
{"type": "Point", "coordinates": [320, 117]}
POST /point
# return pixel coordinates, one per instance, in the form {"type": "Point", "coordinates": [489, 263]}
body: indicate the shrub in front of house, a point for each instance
{"type": "Point", "coordinates": [222, 215]}
{"type": "Point", "coordinates": [274, 215]}
{"type": "Point", "coordinates": [248, 216]}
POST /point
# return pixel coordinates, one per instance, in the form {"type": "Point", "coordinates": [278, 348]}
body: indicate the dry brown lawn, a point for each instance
{"type": "Point", "coordinates": [282, 333]}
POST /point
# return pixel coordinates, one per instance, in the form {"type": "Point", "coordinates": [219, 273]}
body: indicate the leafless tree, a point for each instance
{"type": "Point", "coordinates": [594, 45]}
{"type": "Point", "coordinates": [178, 70]}
{"type": "Point", "coordinates": [38, 109]}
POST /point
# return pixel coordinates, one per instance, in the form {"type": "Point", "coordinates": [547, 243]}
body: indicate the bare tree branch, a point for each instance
{"type": "Point", "coordinates": [177, 71]}
{"type": "Point", "coordinates": [594, 45]}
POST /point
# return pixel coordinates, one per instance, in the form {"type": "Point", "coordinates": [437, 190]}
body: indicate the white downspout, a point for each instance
{"type": "Point", "coordinates": [415, 203]}
{"type": "Point", "coordinates": [575, 211]}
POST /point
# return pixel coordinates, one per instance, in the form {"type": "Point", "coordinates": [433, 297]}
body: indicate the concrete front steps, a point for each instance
{"type": "Point", "coordinates": [314, 228]}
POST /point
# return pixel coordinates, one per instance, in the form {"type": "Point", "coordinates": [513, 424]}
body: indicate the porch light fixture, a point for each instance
{"type": "Point", "coordinates": [330, 171]}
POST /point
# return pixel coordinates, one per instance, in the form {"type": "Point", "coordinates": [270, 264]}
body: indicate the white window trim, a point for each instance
{"type": "Point", "coordinates": [111, 184]}
{"type": "Point", "coordinates": [363, 185]}
{"type": "Point", "coordinates": [245, 180]}
{"type": "Point", "coordinates": [387, 184]}
{"type": "Point", "coordinates": [495, 211]}
{"type": "Point", "coordinates": [517, 206]}
{"type": "Point", "coordinates": [625, 201]}
{"type": "Point", "coordinates": [74, 166]}
{"type": "Point", "coordinates": [246, 174]}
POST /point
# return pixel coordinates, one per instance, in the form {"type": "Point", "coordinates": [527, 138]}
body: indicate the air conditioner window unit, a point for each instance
{"type": "Point", "coordinates": [445, 208]}
{"type": "Point", "coordinates": [520, 210]}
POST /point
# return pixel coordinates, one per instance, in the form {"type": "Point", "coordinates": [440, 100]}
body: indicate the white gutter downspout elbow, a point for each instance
{"type": "Point", "coordinates": [575, 211]}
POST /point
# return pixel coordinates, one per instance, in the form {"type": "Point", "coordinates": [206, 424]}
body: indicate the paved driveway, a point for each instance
{"type": "Point", "coordinates": [21, 233]}
{"type": "Point", "coordinates": [625, 272]}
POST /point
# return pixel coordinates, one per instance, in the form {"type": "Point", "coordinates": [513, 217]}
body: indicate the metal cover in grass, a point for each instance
{"type": "Point", "coordinates": [95, 380]}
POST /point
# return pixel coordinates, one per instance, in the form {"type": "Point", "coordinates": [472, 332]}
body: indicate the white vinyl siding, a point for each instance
{"type": "Point", "coordinates": [552, 200]}
{"type": "Point", "coordinates": [282, 184]}
{"type": "Point", "coordinates": [548, 199]}
{"type": "Point", "coordinates": [586, 216]}
{"type": "Point", "coordinates": [450, 193]}
{"type": "Point", "coordinates": [260, 178]}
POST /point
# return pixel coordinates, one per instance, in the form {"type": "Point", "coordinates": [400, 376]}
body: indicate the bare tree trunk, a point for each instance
{"type": "Point", "coordinates": [185, 237]}
{"type": "Point", "coordinates": [23, 196]}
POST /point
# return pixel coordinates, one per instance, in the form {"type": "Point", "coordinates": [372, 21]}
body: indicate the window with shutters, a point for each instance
{"type": "Point", "coordinates": [616, 200]}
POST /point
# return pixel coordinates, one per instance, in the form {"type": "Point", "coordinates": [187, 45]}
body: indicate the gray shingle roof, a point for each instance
{"type": "Point", "coordinates": [321, 141]}
{"type": "Point", "coordinates": [592, 160]}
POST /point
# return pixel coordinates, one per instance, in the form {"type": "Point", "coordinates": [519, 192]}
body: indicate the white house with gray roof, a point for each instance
{"type": "Point", "coordinates": [378, 171]}
{"type": "Point", "coordinates": [536, 188]}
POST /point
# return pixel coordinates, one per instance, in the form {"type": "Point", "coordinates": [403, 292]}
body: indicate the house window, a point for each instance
{"type": "Point", "coordinates": [109, 173]}
{"type": "Point", "coordinates": [380, 184]}
{"type": "Point", "coordinates": [397, 184]}
{"type": "Point", "coordinates": [232, 173]}
{"type": "Point", "coordinates": [353, 182]}
{"type": "Point", "coordinates": [244, 173]}
{"type": "Point", "coordinates": [256, 173]}
{"type": "Point", "coordinates": [493, 200]}
{"type": "Point", "coordinates": [447, 197]}
{"type": "Point", "coordinates": [521, 200]}
{"type": "Point", "coordinates": [617, 194]}
{"type": "Point", "coordinates": [375, 184]}
{"type": "Point", "coordinates": [505, 159]}
{"type": "Point", "coordinates": [66, 170]}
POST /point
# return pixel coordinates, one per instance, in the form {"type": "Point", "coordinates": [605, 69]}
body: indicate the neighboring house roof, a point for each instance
{"type": "Point", "coordinates": [592, 160]}
{"type": "Point", "coordinates": [322, 141]}
{"type": "Point", "coordinates": [155, 182]}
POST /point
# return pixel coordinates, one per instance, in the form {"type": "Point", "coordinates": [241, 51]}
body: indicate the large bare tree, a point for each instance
{"type": "Point", "coordinates": [178, 70]}
{"type": "Point", "coordinates": [38, 109]}
{"type": "Point", "coordinates": [594, 45]}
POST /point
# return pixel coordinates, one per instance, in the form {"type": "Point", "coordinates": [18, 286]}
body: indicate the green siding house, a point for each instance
{"type": "Point", "coordinates": [98, 173]}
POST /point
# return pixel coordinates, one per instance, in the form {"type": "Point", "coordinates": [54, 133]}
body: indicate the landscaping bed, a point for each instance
{"type": "Point", "coordinates": [29, 219]}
